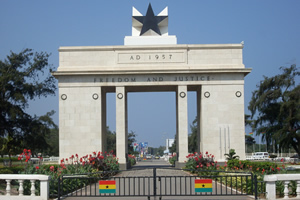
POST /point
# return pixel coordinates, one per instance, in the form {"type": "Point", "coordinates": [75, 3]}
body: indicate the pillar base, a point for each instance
{"type": "Point", "coordinates": [179, 165]}
{"type": "Point", "coordinates": [124, 166]}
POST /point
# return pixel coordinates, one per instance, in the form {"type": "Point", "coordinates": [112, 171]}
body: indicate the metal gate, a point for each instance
{"type": "Point", "coordinates": [158, 182]}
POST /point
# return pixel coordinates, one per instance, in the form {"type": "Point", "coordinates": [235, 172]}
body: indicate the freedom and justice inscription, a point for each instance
{"type": "Point", "coordinates": [120, 79]}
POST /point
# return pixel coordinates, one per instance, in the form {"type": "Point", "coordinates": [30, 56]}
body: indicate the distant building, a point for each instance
{"type": "Point", "coordinates": [169, 143]}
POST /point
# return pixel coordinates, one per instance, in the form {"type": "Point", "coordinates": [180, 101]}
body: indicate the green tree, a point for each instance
{"type": "Point", "coordinates": [275, 109]}
{"type": "Point", "coordinates": [249, 140]}
{"type": "Point", "coordinates": [111, 141]}
{"type": "Point", "coordinates": [131, 140]}
{"type": "Point", "coordinates": [192, 139]}
{"type": "Point", "coordinates": [52, 139]}
{"type": "Point", "coordinates": [24, 76]}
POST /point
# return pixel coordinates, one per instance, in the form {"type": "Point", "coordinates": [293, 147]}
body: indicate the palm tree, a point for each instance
{"type": "Point", "coordinates": [231, 155]}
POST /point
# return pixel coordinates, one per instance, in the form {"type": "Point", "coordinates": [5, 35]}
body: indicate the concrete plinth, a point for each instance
{"type": "Point", "coordinates": [179, 165]}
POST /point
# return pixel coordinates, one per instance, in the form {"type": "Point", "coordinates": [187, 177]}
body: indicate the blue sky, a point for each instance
{"type": "Point", "coordinates": [269, 28]}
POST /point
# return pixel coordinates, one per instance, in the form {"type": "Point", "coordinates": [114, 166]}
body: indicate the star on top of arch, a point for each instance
{"type": "Point", "coordinates": [150, 24]}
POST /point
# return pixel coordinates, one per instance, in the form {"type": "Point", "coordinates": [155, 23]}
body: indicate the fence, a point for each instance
{"type": "Point", "coordinates": [44, 186]}
{"type": "Point", "coordinates": [221, 184]}
{"type": "Point", "coordinates": [271, 180]}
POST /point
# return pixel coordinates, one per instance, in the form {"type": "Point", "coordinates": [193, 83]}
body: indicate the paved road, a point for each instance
{"type": "Point", "coordinates": [171, 181]}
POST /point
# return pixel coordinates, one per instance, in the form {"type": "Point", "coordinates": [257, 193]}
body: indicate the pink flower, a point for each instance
{"type": "Point", "coordinates": [52, 168]}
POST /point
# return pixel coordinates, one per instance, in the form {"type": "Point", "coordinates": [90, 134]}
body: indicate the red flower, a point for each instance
{"type": "Point", "coordinates": [52, 168]}
{"type": "Point", "coordinates": [206, 152]}
{"type": "Point", "coordinates": [197, 166]}
{"type": "Point", "coordinates": [282, 160]}
{"type": "Point", "coordinates": [76, 155]}
{"type": "Point", "coordinates": [278, 168]}
{"type": "Point", "coordinates": [37, 167]}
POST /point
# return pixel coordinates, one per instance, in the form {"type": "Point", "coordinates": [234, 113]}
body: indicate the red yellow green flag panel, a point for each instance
{"type": "Point", "coordinates": [107, 187]}
{"type": "Point", "coordinates": [203, 185]}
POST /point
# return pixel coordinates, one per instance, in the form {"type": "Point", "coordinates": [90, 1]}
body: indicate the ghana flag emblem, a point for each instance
{"type": "Point", "coordinates": [107, 187]}
{"type": "Point", "coordinates": [203, 185]}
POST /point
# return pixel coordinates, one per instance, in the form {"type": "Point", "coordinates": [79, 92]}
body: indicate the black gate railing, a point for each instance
{"type": "Point", "coordinates": [157, 184]}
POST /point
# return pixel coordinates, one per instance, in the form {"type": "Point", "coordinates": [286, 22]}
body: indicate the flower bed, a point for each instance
{"type": "Point", "coordinates": [92, 165]}
{"type": "Point", "coordinates": [204, 165]}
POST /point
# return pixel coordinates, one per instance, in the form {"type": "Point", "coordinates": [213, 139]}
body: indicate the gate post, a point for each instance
{"type": "Point", "coordinates": [255, 186]}
{"type": "Point", "coordinates": [154, 181]}
{"type": "Point", "coordinates": [58, 189]}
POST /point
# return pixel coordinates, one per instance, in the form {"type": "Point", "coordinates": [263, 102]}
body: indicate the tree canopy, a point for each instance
{"type": "Point", "coordinates": [111, 140]}
{"type": "Point", "coordinates": [24, 76]}
{"type": "Point", "coordinates": [275, 109]}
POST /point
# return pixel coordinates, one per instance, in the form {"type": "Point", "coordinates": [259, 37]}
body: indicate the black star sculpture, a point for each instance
{"type": "Point", "coordinates": [150, 21]}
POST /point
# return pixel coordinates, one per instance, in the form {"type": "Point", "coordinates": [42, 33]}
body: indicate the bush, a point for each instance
{"type": "Point", "coordinates": [202, 164]}
{"type": "Point", "coordinates": [131, 159]}
{"type": "Point", "coordinates": [6, 170]}
{"type": "Point", "coordinates": [256, 167]}
{"type": "Point", "coordinates": [173, 159]}
{"type": "Point", "coordinates": [7, 158]}
{"type": "Point", "coordinates": [89, 164]}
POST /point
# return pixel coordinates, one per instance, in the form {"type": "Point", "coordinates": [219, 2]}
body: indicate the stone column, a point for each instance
{"type": "Point", "coordinates": [182, 125]}
{"type": "Point", "coordinates": [121, 134]}
{"type": "Point", "coordinates": [198, 118]}
{"type": "Point", "coordinates": [103, 121]}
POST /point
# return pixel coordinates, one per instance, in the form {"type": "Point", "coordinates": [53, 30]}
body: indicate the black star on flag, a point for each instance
{"type": "Point", "coordinates": [150, 21]}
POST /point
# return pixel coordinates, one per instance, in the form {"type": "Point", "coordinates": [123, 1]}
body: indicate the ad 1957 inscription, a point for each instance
{"type": "Point", "coordinates": [159, 57]}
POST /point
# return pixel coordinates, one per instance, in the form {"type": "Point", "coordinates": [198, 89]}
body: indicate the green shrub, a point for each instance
{"type": "Point", "coordinates": [14, 159]}
{"type": "Point", "coordinates": [256, 167]}
{"type": "Point", "coordinates": [172, 160]}
{"type": "Point", "coordinates": [202, 164]}
{"type": "Point", "coordinates": [131, 159]}
{"type": "Point", "coordinates": [6, 171]}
